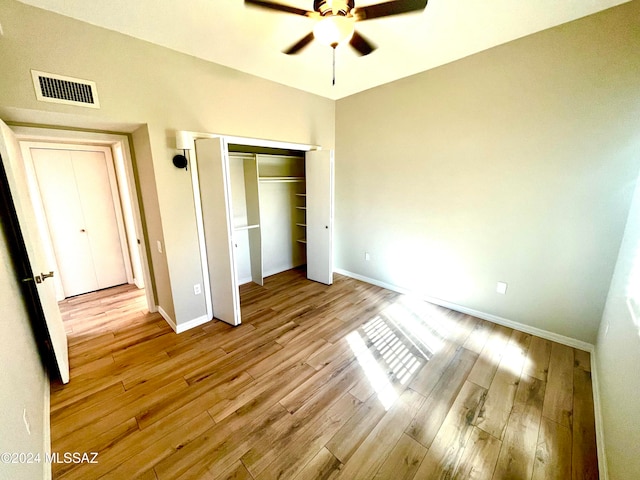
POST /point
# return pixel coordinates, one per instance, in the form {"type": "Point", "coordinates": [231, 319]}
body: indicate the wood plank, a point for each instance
{"type": "Point", "coordinates": [479, 336]}
{"type": "Point", "coordinates": [558, 398]}
{"type": "Point", "coordinates": [553, 453]}
{"type": "Point", "coordinates": [489, 359]}
{"type": "Point", "coordinates": [582, 359]}
{"type": "Point", "coordinates": [521, 435]}
{"type": "Point", "coordinates": [282, 433]}
{"type": "Point", "coordinates": [217, 448]}
{"type": "Point", "coordinates": [502, 391]}
{"type": "Point", "coordinates": [429, 375]}
{"type": "Point", "coordinates": [479, 457]}
{"type": "Point", "coordinates": [245, 399]}
{"type": "Point", "coordinates": [403, 461]}
{"type": "Point", "coordinates": [429, 418]}
{"type": "Point", "coordinates": [324, 466]}
{"type": "Point", "coordinates": [113, 455]}
{"type": "Point", "coordinates": [152, 454]}
{"type": "Point", "coordinates": [237, 471]}
{"type": "Point", "coordinates": [448, 446]}
{"type": "Point", "coordinates": [374, 450]}
{"type": "Point", "coordinates": [197, 398]}
{"type": "Point", "coordinates": [99, 443]}
{"type": "Point", "coordinates": [537, 365]}
{"type": "Point", "coordinates": [113, 411]}
{"type": "Point", "coordinates": [308, 441]}
{"type": "Point", "coordinates": [334, 353]}
{"type": "Point", "coordinates": [347, 440]}
{"type": "Point", "coordinates": [584, 452]}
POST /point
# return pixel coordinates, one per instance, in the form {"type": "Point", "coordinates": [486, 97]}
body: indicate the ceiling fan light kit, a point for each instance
{"type": "Point", "coordinates": [335, 21]}
{"type": "Point", "coordinates": [334, 30]}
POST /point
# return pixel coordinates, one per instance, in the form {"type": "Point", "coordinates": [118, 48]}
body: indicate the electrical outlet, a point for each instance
{"type": "Point", "coordinates": [25, 419]}
{"type": "Point", "coordinates": [159, 246]}
{"type": "Point", "coordinates": [197, 290]}
{"type": "Point", "coordinates": [367, 257]}
{"type": "Point", "coordinates": [501, 288]}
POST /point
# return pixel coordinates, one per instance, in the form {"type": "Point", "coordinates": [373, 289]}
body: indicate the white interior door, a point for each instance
{"type": "Point", "coordinates": [217, 217]}
{"type": "Point", "coordinates": [96, 194]}
{"type": "Point", "coordinates": [319, 183]}
{"type": "Point", "coordinates": [78, 201]}
{"type": "Point", "coordinates": [12, 161]}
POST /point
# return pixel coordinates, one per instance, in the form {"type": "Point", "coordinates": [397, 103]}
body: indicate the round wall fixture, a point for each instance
{"type": "Point", "coordinates": [180, 161]}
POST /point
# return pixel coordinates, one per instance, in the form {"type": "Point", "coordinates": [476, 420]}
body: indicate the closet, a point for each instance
{"type": "Point", "coordinates": [78, 192]}
{"type": "Point", "coordinates": [262, 213]}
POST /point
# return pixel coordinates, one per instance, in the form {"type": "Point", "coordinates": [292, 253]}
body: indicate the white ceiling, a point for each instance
{"type": "Point", "coordinates": [251, 40]}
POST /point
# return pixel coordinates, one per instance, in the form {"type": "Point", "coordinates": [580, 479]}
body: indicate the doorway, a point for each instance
{"type": "Point", "coordinates": [87, 159]}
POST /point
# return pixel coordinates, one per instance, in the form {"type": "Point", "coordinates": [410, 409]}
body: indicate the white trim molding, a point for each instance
{"type": "Point", "coordinates": [183, 327]}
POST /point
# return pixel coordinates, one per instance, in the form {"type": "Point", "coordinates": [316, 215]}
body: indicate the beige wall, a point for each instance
{"type": "Point", "coordinates": [157, 91]}
{"type": "Point", "coordinates": [23, 382]}
{"type": "Point", "coordinates": [618, 356]}
{"type": "Point", "coordinates": [516, 164]}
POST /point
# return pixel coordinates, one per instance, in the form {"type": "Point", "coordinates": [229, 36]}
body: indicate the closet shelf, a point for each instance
{"type": "Point", "coordinates": [246, 227]}
{"type": "Point", "coordinates": [301, 208]}
{"type": "Point", "coordinates": [302, 240]}
{"type": "Point", "coordinates": [301, 224]}
{"type": "Point", "coordinates": [281, 179]}
{"type": "Point", "coordinates": [301, 194]}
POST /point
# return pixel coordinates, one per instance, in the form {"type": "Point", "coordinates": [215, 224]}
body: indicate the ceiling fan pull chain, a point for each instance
{"type": "Point", "coordinates": [333, 83]}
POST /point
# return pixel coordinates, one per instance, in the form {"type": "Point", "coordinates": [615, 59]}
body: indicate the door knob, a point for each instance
{"type": "Point", "coordinates": [82, 230]}
{"type": "Point", "coordinates": [36, 279]}
{"type": "Point", "coordinates": [46, 275]}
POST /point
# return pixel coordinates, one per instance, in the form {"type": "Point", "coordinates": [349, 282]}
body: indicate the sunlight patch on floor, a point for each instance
{"type": "Point", "coordinates": [376, 376]}
{"type": "Point", "coordinates": [392, 348]}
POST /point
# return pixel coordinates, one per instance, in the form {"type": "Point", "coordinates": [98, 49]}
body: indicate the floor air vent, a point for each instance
{"type": "Point", "coordinates": [59, 89]}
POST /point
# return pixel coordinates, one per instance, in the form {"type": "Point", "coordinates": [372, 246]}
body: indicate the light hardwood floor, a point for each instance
{"type": "Point", "coordinates": [349, 381]}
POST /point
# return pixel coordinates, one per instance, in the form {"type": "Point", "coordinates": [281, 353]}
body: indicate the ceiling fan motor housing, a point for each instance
{"type": "Point", "coordinates": [335, 7]}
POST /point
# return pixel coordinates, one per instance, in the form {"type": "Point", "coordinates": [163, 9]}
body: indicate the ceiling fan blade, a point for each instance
{"type": "Point", "coordinates": [300, 44]}
{"type": "Point", "coordinates": [386, 9]}
{"type": "Point", "coordinates": [361, 44]}
{"type": "Point", "coordinates": [279, 7]}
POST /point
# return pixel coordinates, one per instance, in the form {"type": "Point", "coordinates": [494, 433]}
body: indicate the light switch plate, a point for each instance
{"type": "Point", "coordinates": [501, 288]}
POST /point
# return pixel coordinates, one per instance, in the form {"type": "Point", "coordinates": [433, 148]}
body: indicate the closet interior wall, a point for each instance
{"type": "Point", "coordinates": [268, 203]}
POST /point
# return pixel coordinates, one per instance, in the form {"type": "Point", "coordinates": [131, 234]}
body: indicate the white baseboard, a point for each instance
{"type": "Point", "coordinates": [183, 327]}
{"type": "Point", "coordinates": [196, 322]}
{"type": "Point", "coordinates": [602, 457]}
{"type": "Point", "coordinates": [554, 337]}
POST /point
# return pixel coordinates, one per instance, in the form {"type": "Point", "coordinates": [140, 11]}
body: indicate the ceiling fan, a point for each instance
{"type": "Point", "coordinates": [336, 18]}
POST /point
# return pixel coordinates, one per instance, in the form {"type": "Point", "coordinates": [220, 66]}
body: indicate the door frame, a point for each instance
{"type": "Point", "coordinates": [119, 145]}
{"type": "Point", "coordinates": [118, 205]}
{"type": "Point", "coordinates": [189, 139]}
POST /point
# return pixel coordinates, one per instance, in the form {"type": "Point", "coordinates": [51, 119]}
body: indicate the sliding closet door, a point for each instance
{"type": "Point", "coordinates": [319, 179]}
{"type": "Point", "coordinates": [215, 195]}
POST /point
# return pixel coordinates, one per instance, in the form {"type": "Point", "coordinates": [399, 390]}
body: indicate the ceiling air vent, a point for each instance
{"type": "Point", "coordinates": [59, 89]}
